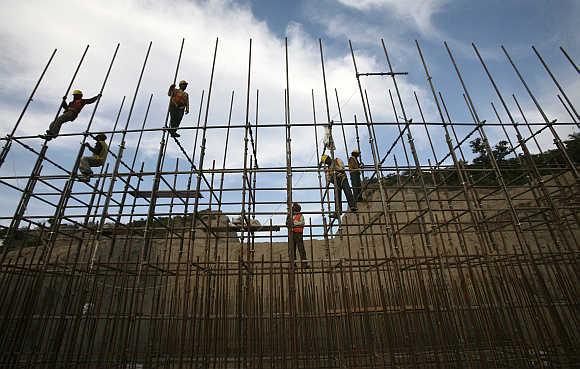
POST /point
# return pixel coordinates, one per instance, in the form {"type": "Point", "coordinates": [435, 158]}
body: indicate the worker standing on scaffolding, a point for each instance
{"type": "Point", "coordinates": [178, 105]}
{"type": "Point", "coordinates": [100, 151]}
{"type": "Point", "coordinates": [355, 167]}
{"type": "Point", "coordinates": [71, 112]}
{"type": "Point", "coordinates": [297, 225]}
{"type": "Point", "coordinates": [335, 173]}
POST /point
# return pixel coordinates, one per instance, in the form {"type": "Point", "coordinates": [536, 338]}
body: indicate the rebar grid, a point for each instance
{"type": "Point", "coordinates": [445, 263]}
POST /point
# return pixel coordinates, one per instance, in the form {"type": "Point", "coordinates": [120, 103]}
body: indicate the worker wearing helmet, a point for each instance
{"type": "Point", "coordinates": [71, 112]}
{"type": "Point", "coordinates": [336, 174]}
{"type": "Point", "coordinates": [178, 105]}
{"type": "Point", "coordinates": [355, 169]}
{"type": "Point", "coordinates": [297, 225]}
{"type": "Point", "coordinates": [100, 151]}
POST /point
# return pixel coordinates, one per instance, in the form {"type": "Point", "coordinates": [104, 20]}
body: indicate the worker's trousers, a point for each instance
{"type": "Point", "coordinates": [87, 162]}
{"type": "Point", "coordinates": [54, 127]}
{"type": "Point", "coordinates": [342, 185]}
{"type": "Point", "coordinates": [176, 115]}
{"type": "Point", "coordinates": [298, 244]}
{"type": "Point", "coordinates": [356, 185]}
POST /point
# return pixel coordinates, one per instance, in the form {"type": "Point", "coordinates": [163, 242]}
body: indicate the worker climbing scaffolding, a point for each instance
{"type": "Point", "coordinates": [178, 105]}
{"type": "Point", "coordinates": [100, 151]}
{"type": "Point", "coordinates": [71, 112]}
{"type": "Point", "coordinates": [336, 174]}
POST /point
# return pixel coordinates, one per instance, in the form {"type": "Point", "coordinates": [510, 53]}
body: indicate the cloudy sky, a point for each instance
{"type": "Point", "coordinates": [30, 30]}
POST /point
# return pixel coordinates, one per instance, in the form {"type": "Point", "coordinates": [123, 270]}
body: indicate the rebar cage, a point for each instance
{"type": "Point", "coordinates": [449, 260]}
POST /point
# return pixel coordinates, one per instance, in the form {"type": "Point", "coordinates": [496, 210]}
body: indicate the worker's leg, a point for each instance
{"type": "Point", "coordinates": [292, 250]}
{"type": "Point", "coordinates": [356, 185]}
{"type": "Point", "coordinates": [84, 166]}
{"type": "Point", "coordinates": [338, 196]}
{"type": "Point", "coordinates": [54, 127]}
{"type": "Point", "coordinates": [300, 245]}
{"type": "Point", "coordinates": [95, 162]}
{"type": "Point", "coordinates": [176, 116]}
{"type": "Point", "coordinates": [348, 193]}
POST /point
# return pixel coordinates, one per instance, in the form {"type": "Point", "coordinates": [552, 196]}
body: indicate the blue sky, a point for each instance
{"type": "Point", "coordinates": [30, 30]}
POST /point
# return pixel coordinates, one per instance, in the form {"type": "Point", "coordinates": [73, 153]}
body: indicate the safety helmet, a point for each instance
{"type": "Point", "coordinates": [101, 137]}
{"type": "Point", "coordinates": [182, 82]}
{"type": "Point", "coordinates": [77, 92]}
{"type": "Point", "coordinates": [323, 158]}
{"type": "Point", "coordinates": [355, 151]}
{"type": "Point", "coordinates": [296, 206]}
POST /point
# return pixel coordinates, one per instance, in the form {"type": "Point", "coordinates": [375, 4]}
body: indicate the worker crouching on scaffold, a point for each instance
{"type": "Point", "coordinates": [71, 112]}
{"type": "Point", "coordinates": [98, 159]}
{"type": "Point", "coordinates": [336, 174]}
{"type": "Point", "coordinates": [178, 105]}
{"type": "Point", "coordinates": [297, 225]}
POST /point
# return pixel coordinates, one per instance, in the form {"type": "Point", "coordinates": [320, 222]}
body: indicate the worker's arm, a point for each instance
{"type": "Point", "coordinates": [171, 88]}
{"type": "Point", "coordinates": [98, 147]}
{"type": "Point", "coordinates": [92, 99]}
{"type": "Point", "coordinates": [186, 103]}
{"type": "Point", "coordinates": [95, 149]}
{"type": "Point", "coordinates": [299, 223]}
{"type": "Point", "coordinates": [63, 104]}
{"type": "Point", "coordinates": [339, 165]}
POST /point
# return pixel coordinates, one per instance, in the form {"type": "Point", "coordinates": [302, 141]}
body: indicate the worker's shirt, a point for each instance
{"type": "Point", "coordinates": [77, 105]}
{"type": "Point", "coordinates": [338, 167]}
{"type": "Point", "coordinates": [100, 151]}
{"type": "Point", "coordinates": [353, 164]}
{"type": "Point", "coordinates": [179, 98]}
{"type": "Point", "coordinates": [298, 223]}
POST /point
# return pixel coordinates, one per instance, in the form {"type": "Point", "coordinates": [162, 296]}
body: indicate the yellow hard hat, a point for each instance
{"type": "Point", "coordinates": [182, 82]}
{"type": "Point", "coordinates": [323, 158]}
{"type": "Point", "coordinates": [77, 92]}
{"type": "Point", "coordinates": [355, 151]}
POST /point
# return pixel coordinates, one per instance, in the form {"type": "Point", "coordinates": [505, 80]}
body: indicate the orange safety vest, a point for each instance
{"type": "Point", "coordinates": [76, 106]}
{"type": "Point", "coordinates": [298, 229]}
{"type": "Point", "coordinates": [179, 98]}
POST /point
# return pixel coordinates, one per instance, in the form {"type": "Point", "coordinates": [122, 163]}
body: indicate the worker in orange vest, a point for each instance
{"type": "Point", "coordinates": [297, 225]}
{"type": "Point", "coordinates": [178, 105]}
{"type": "Point", "coordinates": [71, 112]}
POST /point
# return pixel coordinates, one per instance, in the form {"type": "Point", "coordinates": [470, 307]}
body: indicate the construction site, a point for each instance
{"type": "Point", "coordinates": [463, 255]}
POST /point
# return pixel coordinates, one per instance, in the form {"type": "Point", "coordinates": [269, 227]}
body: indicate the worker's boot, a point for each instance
{"type": "Point", "coordinates": [48, 136]}
{"type": "Point", "coordinates": [85, 176]}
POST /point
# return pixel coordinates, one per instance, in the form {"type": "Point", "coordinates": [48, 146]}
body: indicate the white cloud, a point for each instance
{"type": "Point", "coordinates": [419, 12]}
{"type": "Point", "coordinates": [69, 26]}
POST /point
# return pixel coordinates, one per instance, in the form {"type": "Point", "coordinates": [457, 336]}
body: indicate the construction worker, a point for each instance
{"type": "Point", "coordinates": [355, 167]}
{"type": "Point", "coordinates": [71, 112]}
{"type": "Point", "coordinates": [100, 151]}
{"type": "Point", "coordinates": [336, 174]}
{"type": "Point", "coordinates": [297, 225]}
{"type": "Point", "coordinates": [178, 105]}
